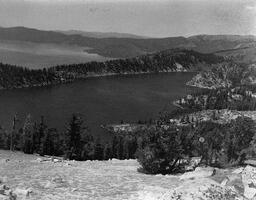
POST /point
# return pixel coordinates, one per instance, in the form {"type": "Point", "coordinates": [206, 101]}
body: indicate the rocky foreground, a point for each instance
{"type": "Point", "coordinates": [34, 177]}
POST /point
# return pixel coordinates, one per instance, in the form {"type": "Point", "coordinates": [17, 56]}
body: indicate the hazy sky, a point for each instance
{"type": "Point", "coordinates": [159, 18]}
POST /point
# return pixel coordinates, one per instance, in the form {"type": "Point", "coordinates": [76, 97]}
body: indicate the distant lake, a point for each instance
{"type": "Point", "coordinates": [37, 55]}
{"type": "Point", "coordinates": [101, 100]}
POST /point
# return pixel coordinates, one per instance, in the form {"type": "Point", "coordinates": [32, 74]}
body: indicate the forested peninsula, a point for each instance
{"type": "Point", "coordinates": [175, 60]}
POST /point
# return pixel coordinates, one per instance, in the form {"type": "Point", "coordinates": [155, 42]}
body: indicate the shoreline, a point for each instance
{"type": "Point", "coordinates": [84, 77]}
{"type": "Point", "coordinates": [199, 86]}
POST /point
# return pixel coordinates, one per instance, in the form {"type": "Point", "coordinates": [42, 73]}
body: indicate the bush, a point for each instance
{"type": "Point", "coordinates": [225, 144]}
{"type": "Point", "coordinates": [239, 140]}
{"type": "Point", "coordinates": [165, 151]}
{"type": "Point", "coordinates": [162, 152]}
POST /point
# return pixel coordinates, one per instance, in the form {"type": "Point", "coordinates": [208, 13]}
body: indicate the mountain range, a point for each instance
{"type": "Point", "coordinates": [79, 46]}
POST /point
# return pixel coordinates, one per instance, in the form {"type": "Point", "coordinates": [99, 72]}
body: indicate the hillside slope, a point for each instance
{"type": "Point", "coordinates": [128, 47]}
{"type": "Point", "coordinates": [91, 180]}
{"type": "Point", "coordinates": [226, 74]}
{"type": "Point", "coordinates": [40, 178]}
{"type": "Point", "coordinates": [242, 55]}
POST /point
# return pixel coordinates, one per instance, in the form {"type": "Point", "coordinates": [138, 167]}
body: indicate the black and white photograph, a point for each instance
{"type": "Point", "coordinates": [127, 99]}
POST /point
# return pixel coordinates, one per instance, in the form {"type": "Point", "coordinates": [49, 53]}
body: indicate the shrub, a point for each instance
{"type": "Point", "coordinates": [162, 152]}
{"type": "Point", "coordinates": [225, 144]}
{"type": "Point", "coordinates": [165, 151]}
{"type": "Point", "coordinates": [240, 138]}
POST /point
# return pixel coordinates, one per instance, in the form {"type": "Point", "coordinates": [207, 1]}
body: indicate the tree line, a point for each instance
{"type": "Point", "coordinates": [76, 142]}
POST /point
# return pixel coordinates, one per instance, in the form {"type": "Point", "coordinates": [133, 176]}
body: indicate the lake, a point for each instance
{"type": "Point", "coordinates": [100, 100]}
{"type": "Point", "coordinates": [38, 55]}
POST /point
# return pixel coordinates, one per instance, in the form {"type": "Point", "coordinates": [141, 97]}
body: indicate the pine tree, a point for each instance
{"type": "Point", "coordinates": [47, 144]}
{"type": "Point", "coordinates": [4, 140]}
{"type": "Point", "coordinates": [13, 133]}
{"type": "Point", "coordinates": [39, 135]}
{"type": "Point", "coordinates": [99, 150]}
{"type": "Point", "coordinates": [126, 142]}
{"type": "Point", "coordinates": [107, 151]}
{"type": "Point", "coordinates": [120, 149]}
{"type": "Point", "coordinates": [88, 151]}
{"type": "Point", "coordinates": [129, 147]}
{"type": "Point", "coordinates": [115, 146]}
{"type": "Point", "coordinates": [28, 136]}
{"type": "Point", "coordinates": [73, 139]}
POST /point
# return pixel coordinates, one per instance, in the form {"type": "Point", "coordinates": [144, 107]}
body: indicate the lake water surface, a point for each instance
{"type": "Point", "coordinates": [101, 100]}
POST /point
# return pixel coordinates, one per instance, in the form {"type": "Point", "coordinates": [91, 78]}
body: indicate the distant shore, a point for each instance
{"type": "Point", "coordinates": [92, 75]}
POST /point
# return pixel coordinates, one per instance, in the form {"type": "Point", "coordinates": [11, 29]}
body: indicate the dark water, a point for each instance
{"type": "Point", "coordinates": [101, 100]}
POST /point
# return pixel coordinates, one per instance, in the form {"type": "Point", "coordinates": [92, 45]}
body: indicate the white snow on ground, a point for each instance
{"type": "Point", "coordinates": [90, 180]}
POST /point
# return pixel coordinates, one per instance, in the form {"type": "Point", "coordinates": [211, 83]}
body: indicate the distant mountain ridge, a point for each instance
{"type": "Point", "coordinates": [248, 38]}
{"type": "Point", "coordinates": [131, 47]}
{"type": "Point", "coordinates": [102, 34]}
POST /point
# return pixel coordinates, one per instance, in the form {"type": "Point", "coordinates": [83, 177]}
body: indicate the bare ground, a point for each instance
{"type": "Point", "coordinates": [95, 180]}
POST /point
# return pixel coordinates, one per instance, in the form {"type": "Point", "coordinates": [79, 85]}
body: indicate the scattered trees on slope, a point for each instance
{"type": "Point", "coordinates": [75, 142]}
{"type": "Point", "coordinates": [222, 145]}
{"type": "Point", "coordinates": [163, 149]}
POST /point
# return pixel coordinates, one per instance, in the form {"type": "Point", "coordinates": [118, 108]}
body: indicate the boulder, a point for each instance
{"type": "Point", "coordinates": [56, 181]}
{"type": "Point", "coordinates": [4, 187]}
{"type": "Point", "coordinates": [224, 182]}
{"type": "Point", "coordinates": [5, 190]}
{"type": "Point", "coordinates": [50, 185]}
{"type": "Point", "coordinates": [12, 196]}
{"type": "Point", "coordinates": [235, 181]}
{"type": "Point", "coordinates": [193, 163]}
{"type": "Point", "coordinates": [39, 160]}
{"type": "Point", "coordinates": [7, 193]}
{"type": "Point", "coordinates": [249, 181]}
{"type": "Point", "coordinates": [200, 172]}
{"type": "Point", "coordinates": [74, 190]}
{"type": "Point", "coordinates": [249, 192]}
{"type": "Point", "coordinates": [250, 162]}
{"type": "Point", "coordinates": [23, 192]}
{"type": "Point", "coordinates": [238, 170]}
{"type": "Point", "coordinates": [68, 164]}
{"type": "Point", "coordinates": [204, 189]}
{"type": "Point", "coordinates": [4, 197]}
